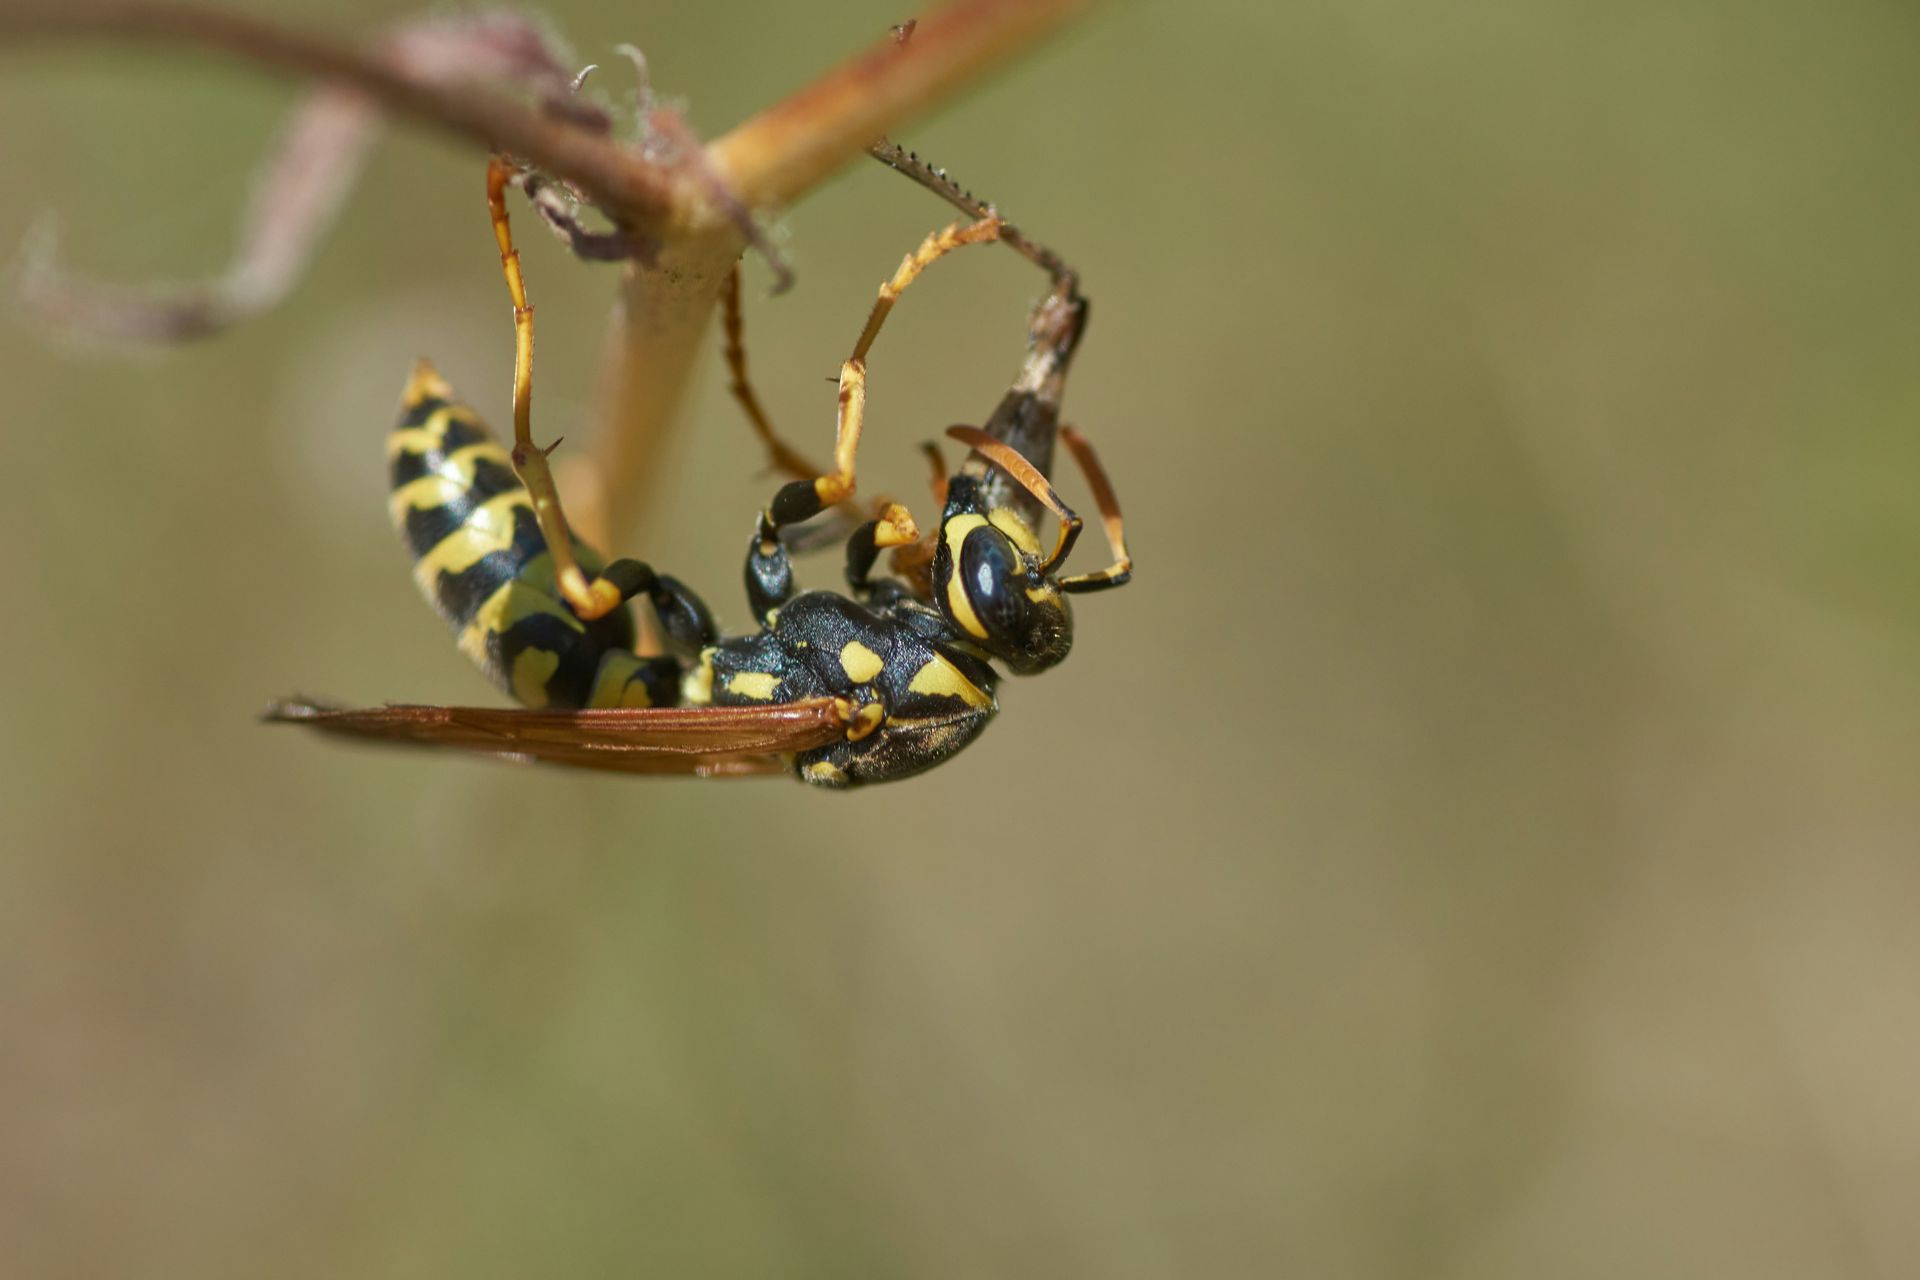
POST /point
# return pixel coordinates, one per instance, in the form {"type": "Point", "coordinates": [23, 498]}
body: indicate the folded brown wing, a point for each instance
{"type": "Point", "coordinates": [705, 741]}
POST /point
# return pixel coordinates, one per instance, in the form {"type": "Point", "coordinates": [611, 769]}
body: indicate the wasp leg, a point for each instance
{"type": "Point", "coordinates": [1120, 572]}
{"type": "Point", "coordinates": [589, 598]}
{"type": "Point", "coordinates": [936, 180]}
{"type": "Point", "coordinates": [684, 616]}
{"type": "Point", "coordinates": [914, 562]}
{"type": "Point", "coordinates": [781, 456]}
{"type": "Point", "coordinates": [769, 572]}
{"type": "Point", "coordinates": [804, 499]}
{"type": "Point", "coordinates": [893, 527]}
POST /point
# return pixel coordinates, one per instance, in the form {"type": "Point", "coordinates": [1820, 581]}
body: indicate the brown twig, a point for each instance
{"type": "Point", "coordinates": [643, 197]}
{"type": "Point", "coordinates": [294, 204]}
{"type": "Point", "coordinates": [792, 146]}
{"type": "Point", "coordinates": [770, 160]}
{"type": "Point", "coordinates": [666, 304]}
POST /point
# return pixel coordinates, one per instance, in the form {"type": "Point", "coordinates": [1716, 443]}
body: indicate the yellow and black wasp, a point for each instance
{"type": "Point", "coordinates": [840, 690]}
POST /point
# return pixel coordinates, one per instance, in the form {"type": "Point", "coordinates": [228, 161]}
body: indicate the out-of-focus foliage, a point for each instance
{"type": "Point", "coordinates": [1482, 843]}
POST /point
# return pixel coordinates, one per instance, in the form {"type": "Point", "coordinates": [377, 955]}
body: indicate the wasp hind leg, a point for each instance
{"type": "Point", "coordinates": [589, 598]}
{"type": "Point", "coordinates": [684, 616]}
{"type": "Point", "coordinates": [626, 679]}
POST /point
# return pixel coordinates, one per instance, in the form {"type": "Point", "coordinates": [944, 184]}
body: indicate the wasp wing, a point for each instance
{"type": "Point", "coordinates": [703, 741]}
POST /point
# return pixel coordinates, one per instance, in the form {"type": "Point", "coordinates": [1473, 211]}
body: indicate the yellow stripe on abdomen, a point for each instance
{"type": "Point", "coordinates": [488, 529]}
{"type": "Point", "coordinates": [480, 561]}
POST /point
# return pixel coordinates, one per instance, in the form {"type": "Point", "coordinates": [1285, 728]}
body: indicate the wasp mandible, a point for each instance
{"type": "Point", "coordinates": [840, 690]}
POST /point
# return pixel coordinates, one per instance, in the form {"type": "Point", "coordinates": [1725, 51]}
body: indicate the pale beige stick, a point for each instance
{"type": "Point", "coordinates": [791, 147]}
{"type": "Point", "coordinates": [768, 161]}
{"type": "Point", "coordinates": [647, 198]}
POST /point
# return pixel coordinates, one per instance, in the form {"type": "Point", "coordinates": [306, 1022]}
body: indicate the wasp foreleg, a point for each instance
{"type": "Point", "coordinates": [893, 528]}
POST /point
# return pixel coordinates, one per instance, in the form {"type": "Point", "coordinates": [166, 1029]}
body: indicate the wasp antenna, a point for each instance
{"type": "Point", "coordinates": [1028, 477]}
{"type": "Point", "coordinates": [1121, 570]}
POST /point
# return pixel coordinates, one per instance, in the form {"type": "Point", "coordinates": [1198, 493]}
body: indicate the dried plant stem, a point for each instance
{"type": "Point", "coordinates": [794, 145]}
{"type": "Point", "coordinates": [694, 210]}
{"type": "Point", "coordinates": [652, 344]}
{"type": "Point", "coordinates": [768, 161]}
{"type": "Point", "coordinates": [646, 197]}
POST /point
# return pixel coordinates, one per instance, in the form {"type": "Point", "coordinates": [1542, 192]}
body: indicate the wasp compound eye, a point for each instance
{"type": "Point", "coordinates": [1026, 623]}
{"type": "Point", "coordinates": [994, 577]}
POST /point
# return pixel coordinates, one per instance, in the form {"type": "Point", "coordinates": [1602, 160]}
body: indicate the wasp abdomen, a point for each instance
{"type": "Point", "coordinates": [481, 562]}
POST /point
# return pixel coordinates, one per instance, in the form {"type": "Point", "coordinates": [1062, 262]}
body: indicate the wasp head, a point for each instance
{"type": "Point", "coordinates": [994, 582]}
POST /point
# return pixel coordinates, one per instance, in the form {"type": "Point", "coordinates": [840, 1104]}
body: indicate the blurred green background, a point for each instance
{"type": "Point", "coordinates": [1482, 843]}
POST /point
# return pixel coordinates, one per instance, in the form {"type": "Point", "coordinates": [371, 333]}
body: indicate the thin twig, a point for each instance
{"type": "Point", "coordinates": [294, 204]}
{"type": "Point", "coordinates": [790, 148]}
{"type": "Point", "coordinates": [643, 197]}
{"type": "Point", "coordinates": [767, 162]}
{"type": "Point", "coordinates": [826, 125]}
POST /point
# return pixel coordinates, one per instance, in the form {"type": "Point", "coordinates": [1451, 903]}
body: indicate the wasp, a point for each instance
{"type": "Point", "coordinates": [840, 690]}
